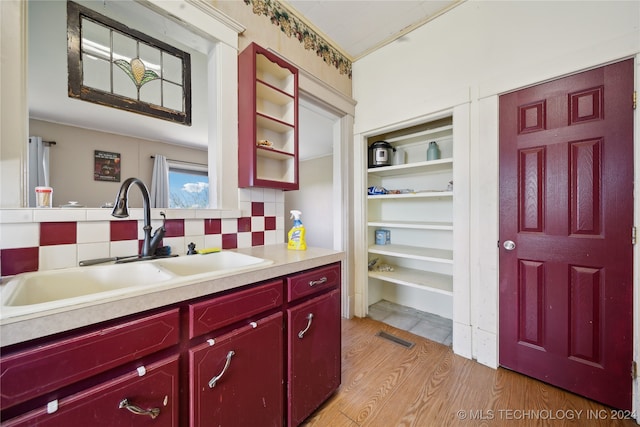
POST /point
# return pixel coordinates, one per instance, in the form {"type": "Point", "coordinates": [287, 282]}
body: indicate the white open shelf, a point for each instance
{"type": "Point", "coordinates": [419, 279]}
{"type": "Point", "coordinates": [414, 252]}
{"type": "Point", "coordinates": [413, 168]}
{"type": "Point", "coordinates": [274, 75]}
{"type": "Point", "coordinates": [440, 130]}
{"type": "Point", "coordinates": [414, 225]}
{"type": "Point", "coordinates": [418, 195]}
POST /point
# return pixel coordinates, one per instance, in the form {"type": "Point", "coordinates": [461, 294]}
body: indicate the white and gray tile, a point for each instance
{"type": "Point", "coordinates": [427, 325]}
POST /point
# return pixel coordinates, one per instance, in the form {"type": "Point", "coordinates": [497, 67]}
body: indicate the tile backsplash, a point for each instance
{"type": "Point", "coordinates": [45, 239]}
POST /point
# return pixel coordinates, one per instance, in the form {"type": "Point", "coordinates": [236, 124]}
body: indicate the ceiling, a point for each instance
{"type": "Point", "coordinates": [359, 27]}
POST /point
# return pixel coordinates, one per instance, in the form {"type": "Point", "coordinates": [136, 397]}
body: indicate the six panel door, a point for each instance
{"type": "Point", "coordinates": [566, 218]}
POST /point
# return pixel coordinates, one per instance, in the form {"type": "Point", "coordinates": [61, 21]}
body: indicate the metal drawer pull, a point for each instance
{"type": "Point", "coordinates": [304, 331]}
{"type": "Point", "coordinates": [318, 282]}
{"type": "Point", "coordinates": [214, 380]}
{"type": "Point", "coordinates": [153, 412]}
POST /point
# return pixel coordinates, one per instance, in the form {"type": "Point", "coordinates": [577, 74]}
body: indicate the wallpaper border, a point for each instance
{"type": "Point", "coordinates": [292, 26]}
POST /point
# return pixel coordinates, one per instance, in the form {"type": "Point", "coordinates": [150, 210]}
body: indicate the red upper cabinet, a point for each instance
{"type": "Point", "coordinates": [267, 120]}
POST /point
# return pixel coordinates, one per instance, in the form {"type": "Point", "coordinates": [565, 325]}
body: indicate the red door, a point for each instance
{"type": "Point", "coordinates": [566, 218]}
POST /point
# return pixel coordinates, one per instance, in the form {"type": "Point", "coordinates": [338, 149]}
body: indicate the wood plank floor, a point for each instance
{"type": "Point", "coordinates": [385, 385]}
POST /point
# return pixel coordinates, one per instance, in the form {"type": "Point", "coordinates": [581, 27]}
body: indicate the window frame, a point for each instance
{"type": "Point", "coordinates": [76, 89]}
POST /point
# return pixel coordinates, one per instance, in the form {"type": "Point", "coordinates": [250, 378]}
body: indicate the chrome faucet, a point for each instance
{"type": "Point", "coordinates": [121, 210]}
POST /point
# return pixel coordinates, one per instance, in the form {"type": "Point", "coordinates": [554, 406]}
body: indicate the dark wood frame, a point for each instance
{"type": "Point", "coordinates": [75, 12]}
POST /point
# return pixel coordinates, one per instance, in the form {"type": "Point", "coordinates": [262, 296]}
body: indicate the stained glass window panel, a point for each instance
{"type": "Point", "coordinates": [171, 68]}
{"type": "Point", "coordinates": [115, 65]}
{"type": "Point", "coordinates": [172, 96]}
{"type": "Point", "coordinates": [96, 73]}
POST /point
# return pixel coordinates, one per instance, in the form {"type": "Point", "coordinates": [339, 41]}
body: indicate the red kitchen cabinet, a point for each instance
{"type": "Point", "coordinates": [313, 340]}
{"type": "Point", "coordinates": [236, 379]}
{"type": "Point", "coordinates": [268, 120]}
{"type": "Point", "coordinates": [312, 282]}
{"type": "Point", "coordinates": [147, 396]}
{"type": "Point", "coordinates": [215, 313]}
{"type": "Point", "coordinates": [266, 354]}
{"type": "Point", "coordinates": [314, 354]}
{"type": "Point", "coordinates": [68, 360]}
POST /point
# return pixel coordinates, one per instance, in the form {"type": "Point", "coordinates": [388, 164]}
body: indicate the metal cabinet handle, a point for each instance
{"type": "Point", "coordinates": [304, 331]}
{"type": "Point", "coordinates": [318, 282]}
{"type": "Point", "coordinates": [214, 380]}
{"type": "Point", "coordinates": [153, 412]}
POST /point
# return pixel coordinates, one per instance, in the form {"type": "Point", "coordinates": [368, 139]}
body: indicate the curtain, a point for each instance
{"type": "Point", "coordinates": [160, 183]}
{"type": "Point", "coordinates": [38, 158]}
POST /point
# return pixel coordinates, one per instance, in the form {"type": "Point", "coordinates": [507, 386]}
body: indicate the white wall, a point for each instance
{"type": "Point", "coordinates": [71, 161]}
{"type": "Point", "coordinates": [482, 48]}
{"type": "Point", "coordinates": [315, 200]}
{"type": "Point", "coordinates": [472, 54]}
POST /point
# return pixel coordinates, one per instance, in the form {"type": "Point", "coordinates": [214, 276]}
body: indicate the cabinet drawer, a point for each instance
{"type": "Point", "coordinates": [236, 379]}
{"type": "Point", "coordinates": [37, 371]}
{"type": "Point", "coordinates": [156, 389]}
{"type": "Point", "coordinates": [217, 312]}
{"type": "Point", "coordinates": [313, 281]}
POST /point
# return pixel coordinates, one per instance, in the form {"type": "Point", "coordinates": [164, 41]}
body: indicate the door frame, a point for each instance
{"type": "Point", "coordinates": [491, 130]}
{"type": "Point", "coordinates": [325, 97]}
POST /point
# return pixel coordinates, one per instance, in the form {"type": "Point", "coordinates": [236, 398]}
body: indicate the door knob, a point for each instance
{"type": "Point", "coordinates": [509, 245]}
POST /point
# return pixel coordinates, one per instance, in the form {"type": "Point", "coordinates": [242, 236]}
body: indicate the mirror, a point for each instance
{"type": "Point", "coordinates": [81, 128]}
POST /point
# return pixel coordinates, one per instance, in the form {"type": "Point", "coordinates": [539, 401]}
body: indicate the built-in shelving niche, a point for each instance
{"type": "Point", "coordinates": [420, 221]}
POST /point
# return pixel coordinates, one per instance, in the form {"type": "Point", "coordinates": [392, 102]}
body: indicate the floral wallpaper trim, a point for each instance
{"type": "Point", "coordinates": [293, 27]}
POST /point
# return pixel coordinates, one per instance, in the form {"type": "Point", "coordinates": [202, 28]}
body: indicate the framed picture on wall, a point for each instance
{"type": "Point", "coordinates": [106, 166]}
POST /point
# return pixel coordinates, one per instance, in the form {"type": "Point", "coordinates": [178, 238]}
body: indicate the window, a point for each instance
{"type": "Point", "coordinates": [114, 65]}
{"type": "Point", "coordinates": [188, 185]}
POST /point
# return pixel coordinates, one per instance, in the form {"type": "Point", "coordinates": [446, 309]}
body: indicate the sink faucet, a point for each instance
{"type": "Point", "coordinates": [121, 210]}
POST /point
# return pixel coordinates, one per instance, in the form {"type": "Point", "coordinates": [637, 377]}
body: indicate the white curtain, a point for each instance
{"type": "Point", "coordinates": [160, 183]}
{"type": "Point", "coordinates": [38, 158]}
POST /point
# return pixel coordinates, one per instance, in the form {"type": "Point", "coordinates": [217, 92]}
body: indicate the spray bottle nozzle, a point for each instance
{"type": "Point", "coordinates": [296, 215]}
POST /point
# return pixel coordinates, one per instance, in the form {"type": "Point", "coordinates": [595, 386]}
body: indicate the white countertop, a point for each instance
{"type": "Point", "coordinates": [26, 327]}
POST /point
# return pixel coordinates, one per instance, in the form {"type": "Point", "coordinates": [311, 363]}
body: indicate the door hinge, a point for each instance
{"type": "Point", "coordinates": [633, 235]}
{"type": "Point", "coordinates": [634, 370]}
{"type": "Point", "coordinates": [635, 99]}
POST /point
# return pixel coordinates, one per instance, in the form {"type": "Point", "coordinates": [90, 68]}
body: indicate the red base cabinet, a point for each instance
{"type": "Point", "coordinates": [142, 398]}
{"type": "Point", "coordinates": [314, 354]}
{"type": "Point", "coordinates": [236, 379]}
{"type": "Point", "coordinates": [313, 340]}
{"type": "Point", "coordinates": [226, 360]}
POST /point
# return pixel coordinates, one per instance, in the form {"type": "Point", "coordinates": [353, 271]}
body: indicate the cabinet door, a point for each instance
{"type": "Point", "coordinates": [236, 379]}
{"type": "Point", "coordinates": [314, 354]}
{"type": "Point", "coordinates": [147, 397]}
